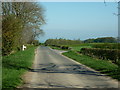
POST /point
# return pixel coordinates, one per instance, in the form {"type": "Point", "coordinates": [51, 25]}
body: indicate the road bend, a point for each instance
{"type": "Point", "coordinates": [53, 70]}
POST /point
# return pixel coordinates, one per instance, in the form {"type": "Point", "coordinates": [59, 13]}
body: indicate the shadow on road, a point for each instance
{"type": "Point", "coordinates": [67, 69]}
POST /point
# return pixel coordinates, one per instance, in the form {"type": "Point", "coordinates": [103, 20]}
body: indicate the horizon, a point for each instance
{"type": "Point", "coordinates": [80, 39]}
{"type": "Point", "coordinates": [79, 20]}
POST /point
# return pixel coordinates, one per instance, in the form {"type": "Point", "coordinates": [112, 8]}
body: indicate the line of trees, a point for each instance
{"type": "Point", "coordinates": [21, 22]}
{"type": "Point", "coordinates": [62, 42]}
{"type": "Point", "coordinates": [75, 42]}
{"type": "Point", "coordinates": [102, 40]}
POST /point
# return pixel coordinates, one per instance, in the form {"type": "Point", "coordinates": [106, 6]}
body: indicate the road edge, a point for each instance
{"type": "Point", "coordinates": [114, 80]}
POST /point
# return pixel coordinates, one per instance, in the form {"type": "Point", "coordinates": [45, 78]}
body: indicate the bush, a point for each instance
{"type": "Point", "coordinates": [61, 46]}
{"type": "Point", "coordinates": [11, 29]}
{"type": "Point", "coordinates": [64, 47]}
{"type": "Point", "coordinates": [107, 45]}
{"type": "Point", "coordinates": [108, 54]}
{"type": "Point", "coordinates": [35, 42]}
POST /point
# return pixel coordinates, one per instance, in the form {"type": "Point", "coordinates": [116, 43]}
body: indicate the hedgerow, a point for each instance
{"type": "Point", "coordinates": [61, 46]}
{"type": "Point", "coordinates": [106, 45]}
{"type": "Point", "coordinates": [105, 54]}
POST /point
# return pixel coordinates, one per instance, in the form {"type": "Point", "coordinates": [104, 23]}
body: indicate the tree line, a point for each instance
{"type": "Point", "coordinates": [75, 42]}
{"type": "Point", "coordinates": [102, 40]}
{"type": "Point", "coordinates": [21, 24]}
{"type": "Point", "coordinates": [61, 42]}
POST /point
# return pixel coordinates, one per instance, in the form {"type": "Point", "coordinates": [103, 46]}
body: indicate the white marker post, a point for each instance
{"type": "Point", "coordinates": [24, 47]}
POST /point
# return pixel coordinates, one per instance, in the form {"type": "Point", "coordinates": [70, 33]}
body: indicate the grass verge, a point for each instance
{"type": "Point", "coordinates": [14, 65]}
{"type": "Point", "coordinates": [103, 66]}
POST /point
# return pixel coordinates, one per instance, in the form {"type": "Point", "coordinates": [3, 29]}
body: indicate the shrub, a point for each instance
{"type": "Point", "coordinates": [107, 45]}
{"type": "Point", "coordinates": [35, 42]}
{"type": "Point", "coordinates": [61, 46]}
{"type": "Point", "coordinates": [11, 29]}
{"type": "Point", "coordinates": [108, 54]}
{"type": "Point", "coordinates": [64, 47]}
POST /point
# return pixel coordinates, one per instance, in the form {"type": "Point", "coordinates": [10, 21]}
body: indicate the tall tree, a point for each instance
{"type": "Point", "coordinates": [11, 29]}
{"type": "Point", "coordinates": [30, 16]}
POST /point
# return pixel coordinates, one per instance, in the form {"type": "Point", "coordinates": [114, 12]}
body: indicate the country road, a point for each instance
{"type": "Point", "coordinates": [52, 70]}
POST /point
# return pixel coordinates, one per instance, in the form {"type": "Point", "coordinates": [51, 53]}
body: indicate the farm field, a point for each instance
{"type": "Point", "coordinates": [78, 47]}
{"type": "Point", "coordinates": [95, 45]}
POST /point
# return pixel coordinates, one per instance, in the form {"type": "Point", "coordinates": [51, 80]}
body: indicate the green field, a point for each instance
{"type": "Point", "coordinates": [78, 48]}
{"type": "Point", "coordinates": [14, 65]}
{"type": "Point", "coordinates": [100, 65]}
{"type": "Point", "coordinates": [95, 45]}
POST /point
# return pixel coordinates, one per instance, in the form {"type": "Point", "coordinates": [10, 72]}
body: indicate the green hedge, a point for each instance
{"type": "Point", "coordinates": [64, 47]}
{"type": "Point", "coordinates": [105, 54]}
{"type": "Point", "coordinates": [106, 45]}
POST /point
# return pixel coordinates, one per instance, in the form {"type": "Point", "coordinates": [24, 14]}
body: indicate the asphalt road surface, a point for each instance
{"type": "Point", "coordinates": [52, 70]}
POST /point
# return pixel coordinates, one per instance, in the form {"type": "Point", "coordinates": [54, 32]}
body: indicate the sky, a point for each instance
{"type": "Point", "coordinates": [79, 20]}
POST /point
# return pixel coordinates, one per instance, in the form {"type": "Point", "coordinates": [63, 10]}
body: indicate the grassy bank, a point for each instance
{"type": "Point", "coordinates": [14, 65]}
{"type": "Point", "coordinates": [100, 65]}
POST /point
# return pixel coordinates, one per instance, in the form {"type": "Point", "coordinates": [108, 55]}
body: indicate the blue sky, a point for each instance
{"type": "Point", "coordinates": [74, 20]}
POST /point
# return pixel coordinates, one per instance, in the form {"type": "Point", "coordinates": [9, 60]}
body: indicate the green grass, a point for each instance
{"type": "Point", "coordinates": [57, 48]}
{"type": "Point", "coordinates": [103, 66]}
{"type": "Point", "coordinates": [82, 44]}
{"type": "Point", "coordinates": [14, 65]}
{"type": "Point", "coordinates": [106, 45]}
{"type": "Point", "coordinates": [78, 48]}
